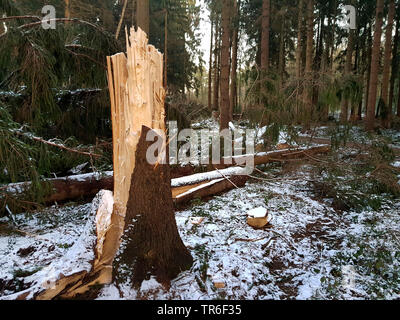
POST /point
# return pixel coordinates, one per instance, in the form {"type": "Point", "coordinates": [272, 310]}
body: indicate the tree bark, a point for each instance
{"type": "Point", "coordinates": [309, 60]}
{"type": "Point", "coordinates": [225, 116]}
{"type": "Point", "coordinates": [398, 105]}
{"type": "Point", "coordinates": [299, 48]}
{"type": "Point", "coordinates": [265, 33]}
{"type": "Point", "coordinates": [166, 50]}
{"type": "Point", "coordinates": [282, 59]}
{"type": "Point", "coordinates": [395, 66]}
{"type": "Point", "coordinates": [373, 85]}
{"type": "Point", "coordinates": [67, 11]}
{"type": "Point", "coordinates": [216, 63]}
{"type": "Point", "coordinates": [143, 15]}
{"type": "Point", "coordinates": [234, 65]}
{"type": "Point", "coordinates": [386, 108]}
{"type": "Point", "coordinates": [347, 71]}
{"type": "Point", "coordinates": [210, 69]}
{"type": "Point", "coordinates": [121, 20]}
{"type": "Point", "coordinates": [368, 71]}
{"type": "Point", "coordinates": [152, 245]}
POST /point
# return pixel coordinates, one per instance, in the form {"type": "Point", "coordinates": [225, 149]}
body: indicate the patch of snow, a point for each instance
{"type": "Point", "coordinates": [396, 164]}
{"type": "Point", "coordinates": [201, 177]}
{"type": "Point", "coordinates": [259, 212]}
{"type": "Point", "coordinates": [150, 285]}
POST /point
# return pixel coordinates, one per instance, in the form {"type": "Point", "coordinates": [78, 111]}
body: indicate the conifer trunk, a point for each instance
{"type": "Point", "coordinates": [266, 13]}
{"type": "Point", "coordinates": [143, 15]}
{"type": "Point", "coordinates": [398, 105]}
{"type": "Point", "coordinates": [282, 60]}
{"type": "Point", "coordinates": [299, 48]}
{"type": "Point", "coordinates": [395, 66]}
{"type": "Point", "coordinates": [210, 69]}
{"type": "Point", "coordinates": [67, 11]}
{"type": "Point", "coordinates": [386, 108]}
{"type": "Point", "coordinates": [216, 64]}
{"type": "Point", "coordinates": [225, 116]}
{"type": "Point", "coordinates": [374, 73]}
{"type": "Point", "coordinates": [166, 50]}
{"type": "Point", "coordinates": [347, 71]}
{"type": "Point", "coordinates": [309, 59]}
{"type": "Point", "coordinates": [235, 40]}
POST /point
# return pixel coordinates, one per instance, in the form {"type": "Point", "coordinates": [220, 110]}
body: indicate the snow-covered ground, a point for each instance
{"type": "Point", "coordinates": [308, 251]}
{"type": "Point", "coordinates": [36, 241]}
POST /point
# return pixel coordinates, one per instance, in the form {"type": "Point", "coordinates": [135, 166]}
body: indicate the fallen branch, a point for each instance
{"type": "Point", "coordinates": [64, 20]}
{"type": "Point", "coordinates": [60, 146]}
{"type": "Point", "coordinates": [250, 240]}
{"type": "Point", "coordinates": [20, 17]}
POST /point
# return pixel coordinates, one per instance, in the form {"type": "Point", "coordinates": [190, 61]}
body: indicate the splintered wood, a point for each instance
{"type": "Point", "coordinates": [137, 99]}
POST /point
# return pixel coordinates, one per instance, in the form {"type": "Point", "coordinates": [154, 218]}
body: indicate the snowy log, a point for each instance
{"type": "Point", "coordinates": [88, 185]}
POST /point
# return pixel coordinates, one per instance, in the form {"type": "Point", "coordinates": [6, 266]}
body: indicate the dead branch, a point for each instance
{"type": "Point", "coordinates": [32, 137]}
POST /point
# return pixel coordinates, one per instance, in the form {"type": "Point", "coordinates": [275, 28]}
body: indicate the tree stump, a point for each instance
{"type": "Point", "coordinates": [151, 244]}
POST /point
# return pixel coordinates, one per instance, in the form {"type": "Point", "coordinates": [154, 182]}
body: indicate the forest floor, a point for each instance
{"type": "Point", "coordinates": [328, 239]}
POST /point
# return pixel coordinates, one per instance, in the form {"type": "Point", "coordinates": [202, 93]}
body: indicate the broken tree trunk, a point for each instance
{"type": "Point", "coordinates": [152, 245]}
{"type": "Point", "coordinates": [88, 185]}
{"type": "Point", "coordinates": [137, 100]}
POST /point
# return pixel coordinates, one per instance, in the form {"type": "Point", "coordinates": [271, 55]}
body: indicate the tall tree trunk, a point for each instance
{"type": "Point", "coordinates": [143, 15]}
{"type": "Point", "coordinates": [386, 109]}
{"type": "Point", "coordinates": [318, 63]}
{"type": "Point", "coordinates": [210, 69]}
{"type": "Point", "coordinates": [395, 66]}
{"type": "Point", "coordinates": [334, 28]}
{"type": "Point", "coordinates": [121, 20]}
{"type": "Point", "coordinates": [373, 85]}
{"type": "Point", "coordinates": [347, 71]}
{"type": "Point", "coordinates": [368, 71]}
{"type": "Point", "coordinates": [234, 65]}
{"type": "Point", "coordinates": [299, 54]}
{"type": "Point", "coordinates": [357, 70]}
{"type": "Point", "coordinates": [166, 50]}
{"type": "Point", "coordinates": [225, 116]}
{"type": "Point", "coordinates": [264, 54]}
{"type": "Point", "coordinates": [398, 104]}
{"type": "Point", "coordinates": [299, 48]}
{"type": "Point", "coordinates": [217, 63]}
{"type": "Point", "coordinates": [67, 12]}
{"type": "Point", "coordinates": [282, 59]}
{"type": "Point", "coordinates": [265, 31]}
{"type": "Point", "coordinates": [309, 59]}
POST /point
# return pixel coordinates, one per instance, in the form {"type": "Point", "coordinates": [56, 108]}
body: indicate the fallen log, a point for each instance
{"type": "Point", "coordinates": [88, 185]}
{"type": "Point", "coordinates": [279, 155]}
{"type": "Point", "coordinates": [208, 189]}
